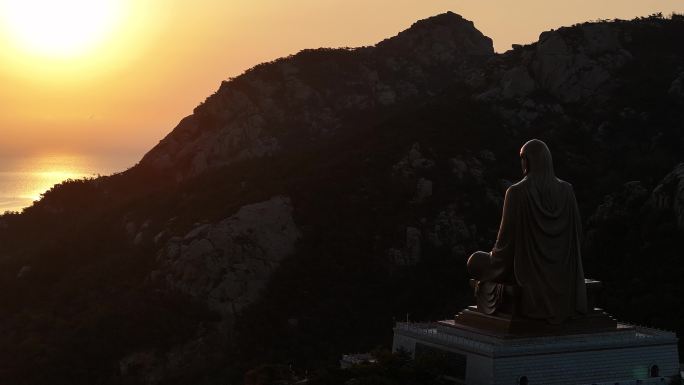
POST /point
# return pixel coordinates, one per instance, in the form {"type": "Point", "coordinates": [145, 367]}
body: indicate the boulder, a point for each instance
{"type": "Point", "coordinates": [423, 190]}
{"type": "Point", "coordinates": [676, 89]}
{"type": "Point", "coordinates": [669, 194]}
{"type": "Point", "coordinates": [227, 263]}
{"type": "Point", "coordinates": [517, 82]}
{"type": "Point", "coordinates": [24, 271]}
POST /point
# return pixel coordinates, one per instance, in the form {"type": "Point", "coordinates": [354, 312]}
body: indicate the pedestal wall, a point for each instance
{"type": "Point", "coordinates": [626, 355]}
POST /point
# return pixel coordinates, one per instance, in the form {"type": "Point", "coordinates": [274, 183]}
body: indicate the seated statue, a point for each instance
{"type": "Point", "coordinates": [536, 260]}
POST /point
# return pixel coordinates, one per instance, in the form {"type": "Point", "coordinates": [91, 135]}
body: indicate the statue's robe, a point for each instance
{"type": "Point", "coordinates": [539, 243]}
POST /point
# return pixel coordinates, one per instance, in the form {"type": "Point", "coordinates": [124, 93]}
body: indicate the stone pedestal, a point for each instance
{"type": "Point", "coordinates": [509, 326]}
{"type": "Point", "coordinates": [500, 350]}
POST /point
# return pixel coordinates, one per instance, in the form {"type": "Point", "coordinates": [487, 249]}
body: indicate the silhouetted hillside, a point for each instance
{"type": "Point", "coordinates": [313, 200]}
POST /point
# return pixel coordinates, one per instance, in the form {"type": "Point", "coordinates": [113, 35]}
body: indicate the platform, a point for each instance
{"type": "Point", "coordinates": [623, 354]}
{"type": "Point", "coordinates": [509, 326]}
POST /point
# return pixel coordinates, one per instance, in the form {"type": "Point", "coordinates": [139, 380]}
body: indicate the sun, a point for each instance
{"type": "Point", "coordinates": [59, 28]}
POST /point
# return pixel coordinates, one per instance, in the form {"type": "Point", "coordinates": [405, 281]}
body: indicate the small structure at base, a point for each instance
{"type": "Point", "coordinates": [625, 355]}
{"type": "Point", "coordinates": [507, 349]}
{"type": "Point", "coordinates": [349, 360]}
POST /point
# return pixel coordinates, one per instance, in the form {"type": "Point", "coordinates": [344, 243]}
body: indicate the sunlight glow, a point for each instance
{"type": "Point", "coordinates": [48, 170]}
{"type": "Point", "coordinates": [45, 180]}
{"type": "Point", "coordinates": [59, 28]}
{"type": "Point", "coordinates": [23, 180]}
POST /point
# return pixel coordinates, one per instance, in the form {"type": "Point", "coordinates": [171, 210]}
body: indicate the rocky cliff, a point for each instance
{"type": "Point", "coordinates": [226, 264]}
{"type": "Point", "coordinates": [312, 95]}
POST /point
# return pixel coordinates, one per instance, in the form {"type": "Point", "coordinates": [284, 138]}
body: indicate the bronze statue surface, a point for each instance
{"type": "Point", "coordinates": [537, 250]}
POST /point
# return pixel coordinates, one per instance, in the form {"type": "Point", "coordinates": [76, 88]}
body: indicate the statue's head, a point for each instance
{"type": "Point", "coordinates": [535, 158]}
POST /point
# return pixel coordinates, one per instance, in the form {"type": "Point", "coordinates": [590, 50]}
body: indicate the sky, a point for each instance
{"type": "Point", "coordinates": [105, 77]}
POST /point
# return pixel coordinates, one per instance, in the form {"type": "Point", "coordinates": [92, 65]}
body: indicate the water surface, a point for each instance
{"type": "Point", "coordinates": [24, 178]}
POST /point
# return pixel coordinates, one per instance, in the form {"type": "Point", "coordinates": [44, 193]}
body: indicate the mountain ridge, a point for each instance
{"type": "Point", "coordinates": [245, 109]}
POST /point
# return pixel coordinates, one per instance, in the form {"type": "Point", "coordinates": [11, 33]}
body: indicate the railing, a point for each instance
{"type": "Point", "coordinates": [430, 331]}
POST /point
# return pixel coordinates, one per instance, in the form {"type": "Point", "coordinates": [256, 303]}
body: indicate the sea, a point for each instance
{"type": "Point", "coordinates": [24, 178]}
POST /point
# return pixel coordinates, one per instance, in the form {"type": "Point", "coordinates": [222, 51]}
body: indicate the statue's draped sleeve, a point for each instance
{"type": "Point", "coordinates": [504, 249]}
{"type": "Point", "coordinates": [498, 269]}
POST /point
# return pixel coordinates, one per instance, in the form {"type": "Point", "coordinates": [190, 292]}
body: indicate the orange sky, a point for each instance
{"type": "Point", "coordinates": [161, 58]}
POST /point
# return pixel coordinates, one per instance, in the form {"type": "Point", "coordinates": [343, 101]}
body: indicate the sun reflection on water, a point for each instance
{"type": "Point", "coordinates": [44, 180]}
{"type": "Point", "coordinates": [23, 180]}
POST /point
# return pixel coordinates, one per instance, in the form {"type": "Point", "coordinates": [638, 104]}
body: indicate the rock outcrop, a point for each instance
{"type": "Point", "coordinates": [227, 264]}
{"type": "Point", "coordinates": [572, 64]}
{"type": "Point", "coordinates": [575, 65]}
{"type": "Point", "coordinates": [676, 89]}
{"type": "Point", "coordinates": [669, 194]}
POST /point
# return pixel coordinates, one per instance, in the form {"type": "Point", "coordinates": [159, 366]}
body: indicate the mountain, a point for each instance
{"type": "Point", "coordinates": [313, 200]}
{"type": "Point", "coordinates": [312, 96]}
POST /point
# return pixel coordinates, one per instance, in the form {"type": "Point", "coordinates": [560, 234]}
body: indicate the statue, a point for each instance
{"type": "Point", "coordinates": [537, 251]}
